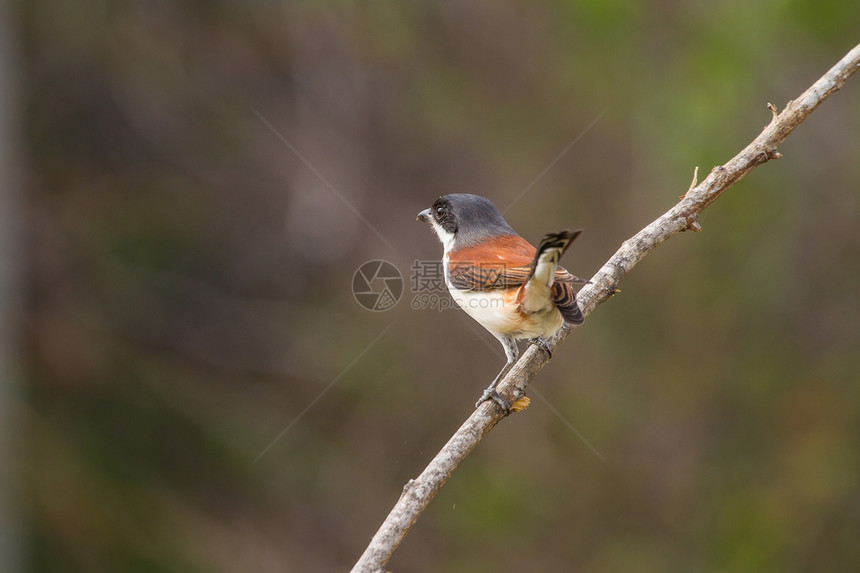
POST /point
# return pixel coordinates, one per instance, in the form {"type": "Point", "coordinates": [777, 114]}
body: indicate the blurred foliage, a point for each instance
{"type": "Point", "coordinates": [203, 179]}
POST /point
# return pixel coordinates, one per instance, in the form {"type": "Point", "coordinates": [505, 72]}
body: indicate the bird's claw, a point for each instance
{"type": "Point", "coordinates": [491, 394]}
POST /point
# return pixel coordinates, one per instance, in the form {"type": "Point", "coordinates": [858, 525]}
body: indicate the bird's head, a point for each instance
{"type": "Point", "coordinates": [463, 220]}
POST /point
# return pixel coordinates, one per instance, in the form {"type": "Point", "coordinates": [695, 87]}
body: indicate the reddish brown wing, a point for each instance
{"type": "Point", "coordinates": [489, 276]}
{"type": "Point", "coordinates": [504, 262]}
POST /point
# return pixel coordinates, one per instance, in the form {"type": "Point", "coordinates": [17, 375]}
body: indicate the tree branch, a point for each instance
{"type": "Point", "coordinates": [418, 492]}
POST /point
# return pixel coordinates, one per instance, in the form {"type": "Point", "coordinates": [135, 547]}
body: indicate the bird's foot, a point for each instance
{"type": "Point", "coordinates": [492, 394]}
{"type": "Point", "coordinates": [542, 344]}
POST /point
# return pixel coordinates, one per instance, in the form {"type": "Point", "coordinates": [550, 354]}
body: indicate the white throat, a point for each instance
{"type": "Point", "coordinates": [444, 236]}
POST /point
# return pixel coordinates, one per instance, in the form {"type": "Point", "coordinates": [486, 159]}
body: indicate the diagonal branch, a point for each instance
{"type": "Point", "coordinates": [418, 493]}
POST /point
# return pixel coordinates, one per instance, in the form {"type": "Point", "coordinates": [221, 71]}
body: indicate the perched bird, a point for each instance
{"type": "Point", "coordinates": [512, 289]}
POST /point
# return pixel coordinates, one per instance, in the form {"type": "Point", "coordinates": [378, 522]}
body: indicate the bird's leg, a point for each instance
{"type": "Point", "coordinates": [543, 344]}
{"type": "Point", "coordinates": [512, 352]}
{"type": "Point", "coordinates": [491, 394]}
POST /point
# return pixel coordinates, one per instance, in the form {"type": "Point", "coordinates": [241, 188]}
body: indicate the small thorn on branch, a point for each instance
{"type": "Point", "coordinates": [693, 183]}
{"type": "Point", "coordinates": [773, 110]}
{"type": "Point", "coordinates": [693, 224]}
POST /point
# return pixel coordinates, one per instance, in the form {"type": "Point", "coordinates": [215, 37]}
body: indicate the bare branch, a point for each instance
{"type": "Point", "coordinates": [683, 216]}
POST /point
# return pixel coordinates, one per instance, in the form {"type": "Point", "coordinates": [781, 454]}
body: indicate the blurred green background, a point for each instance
{"type": "Point", "coordinates": [193, 185]}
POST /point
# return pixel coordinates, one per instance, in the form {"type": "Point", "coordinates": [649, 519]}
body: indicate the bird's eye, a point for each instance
{"type": "Point", "coordinates": [439, 212]}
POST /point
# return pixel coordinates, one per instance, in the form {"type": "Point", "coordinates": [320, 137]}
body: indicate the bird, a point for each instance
{"type": "Point", "coordinates": [511, 288]}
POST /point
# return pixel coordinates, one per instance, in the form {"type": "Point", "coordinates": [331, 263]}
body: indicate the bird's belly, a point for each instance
{"type": "Point", "coordinates": [498, 312]}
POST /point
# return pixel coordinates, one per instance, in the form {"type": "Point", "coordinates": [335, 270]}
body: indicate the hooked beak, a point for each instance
{"type": "Point", "coordinates": [423, 216]}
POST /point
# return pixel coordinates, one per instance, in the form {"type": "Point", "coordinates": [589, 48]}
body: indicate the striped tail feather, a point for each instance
{"type": "Point", "coordinates": [564, 298]}
{"type": "Point", "coordinates": [539, 286]}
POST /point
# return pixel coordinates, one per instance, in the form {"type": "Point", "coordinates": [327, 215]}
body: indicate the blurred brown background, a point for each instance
{"type": "Point", "coordinates": [191, 186]}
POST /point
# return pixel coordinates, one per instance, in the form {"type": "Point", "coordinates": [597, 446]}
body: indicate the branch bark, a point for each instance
{"type": "Point", "coordinates": [418, 492]}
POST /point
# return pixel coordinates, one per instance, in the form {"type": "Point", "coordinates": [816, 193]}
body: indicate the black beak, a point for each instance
{"type": "Point", "coordinates": [423, 216]}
